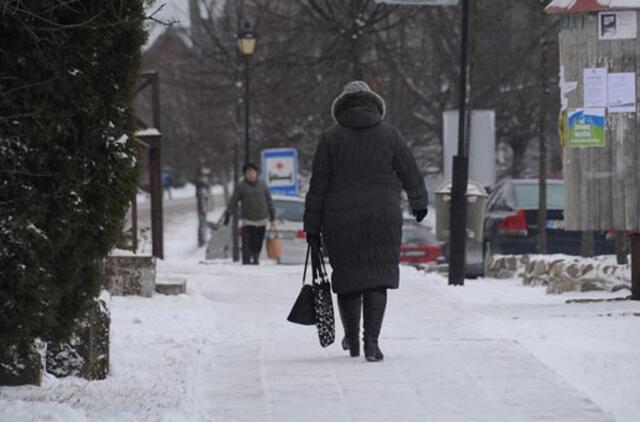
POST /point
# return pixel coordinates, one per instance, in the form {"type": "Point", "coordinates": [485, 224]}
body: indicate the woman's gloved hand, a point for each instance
{"type": "Point", "coordinates": [314, 240]}
{"type": "Point", "coordinates": [420, 214]}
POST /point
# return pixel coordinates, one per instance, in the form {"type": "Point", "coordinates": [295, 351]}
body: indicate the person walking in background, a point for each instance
{"type": "Point", "coordinates": [359, 169]}
{"type": "Point", "coordinates": [257, 210]}
{"type": "Point", "coordinates": [204, 201]}
{"type": "Point", "coordinates": [167, 180]}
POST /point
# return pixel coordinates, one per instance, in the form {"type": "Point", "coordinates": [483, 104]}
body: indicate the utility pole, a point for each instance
{"type": "Point", "coordinates": [458, 221]}
{"type": "Point", "coordinates": [247, 139]}
{"type": "Point", "coordinates": [458, 213]}
{"type": "Point", "coordinates": [235, 243]}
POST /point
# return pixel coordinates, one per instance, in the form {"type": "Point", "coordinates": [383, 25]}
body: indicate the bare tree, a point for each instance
{"type": "Point", "coordinates": [308, 49]}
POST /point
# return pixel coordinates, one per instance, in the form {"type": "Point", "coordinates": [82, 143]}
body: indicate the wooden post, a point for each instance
{"type": "Point", "coordinates": [134, 224]}
{"type": "Point", "coordinates": [155, 179]}
{"type": "Point", "coordinates": [587, 244]}
{"type": "Point", "coordinates": [635, 266]}
{"type": "Point", "coordinates": [155, 169]}
{"type": "Point", "coordinates": [621, 248]}
{"type": "Point", "coordinates": [153, 141]}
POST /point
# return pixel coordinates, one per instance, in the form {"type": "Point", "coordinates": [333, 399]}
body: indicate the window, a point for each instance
{"type": "Point", "coordinates": [527, 195]}
{"type": "Point", "coordinates": [412, 234]}
{"type": "Point", "coordinates": [289, 210]}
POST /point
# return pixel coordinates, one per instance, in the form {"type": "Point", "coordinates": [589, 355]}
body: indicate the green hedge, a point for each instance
{"type": "Point", "coordinates": [67, 166]}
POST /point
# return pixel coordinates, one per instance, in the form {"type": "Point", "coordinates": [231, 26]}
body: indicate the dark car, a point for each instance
{"type": "Point", "coordinates": [419, 244]}
{"type": "Point", "coordinates": [511, 221]}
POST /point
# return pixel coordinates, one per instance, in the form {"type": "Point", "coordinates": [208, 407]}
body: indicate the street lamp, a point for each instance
{"type": "Point", "coordinates": [247, 45]}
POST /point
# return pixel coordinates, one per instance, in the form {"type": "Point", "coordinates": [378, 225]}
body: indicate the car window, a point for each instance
{"type": "Point", "coordinates": [289, 210]}
{"type": "Point", "coordinates": [526, 195]}
{"type": "Point", "coordinates": [497, 200]}
{"type": "Point", "coordinates": [417, 234]}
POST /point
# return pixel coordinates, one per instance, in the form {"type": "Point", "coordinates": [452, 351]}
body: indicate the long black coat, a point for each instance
{"type": "Point", "coordinates": [359, 169]}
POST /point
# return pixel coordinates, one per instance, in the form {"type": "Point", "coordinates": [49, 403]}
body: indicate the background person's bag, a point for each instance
{"type": "Point", "coordinates": [274, 246]}
{"type": "Point", "coordinates": [303, 311]}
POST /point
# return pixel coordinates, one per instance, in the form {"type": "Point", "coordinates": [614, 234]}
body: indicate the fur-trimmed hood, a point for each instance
{"type": "Point", "coordinates": [358, 106]}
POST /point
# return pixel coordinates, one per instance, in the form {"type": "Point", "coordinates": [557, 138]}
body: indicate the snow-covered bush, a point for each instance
{"type": "Point", "coordinates": [67, 156]}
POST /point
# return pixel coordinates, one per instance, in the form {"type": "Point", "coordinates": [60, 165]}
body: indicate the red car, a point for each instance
{"type": "Point", "coordinates": [419, 244]}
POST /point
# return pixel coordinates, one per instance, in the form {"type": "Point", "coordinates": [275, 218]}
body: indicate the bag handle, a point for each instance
{"type": "Point", "coordinates": [318, 266]}
{"type": "Point", "coordinates": [323, 269]}
{"type": "Point", "coordinates": [306, 265]}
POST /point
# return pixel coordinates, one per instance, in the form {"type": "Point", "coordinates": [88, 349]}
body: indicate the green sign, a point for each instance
{"type": "Point", "coordinates": [586, 127]}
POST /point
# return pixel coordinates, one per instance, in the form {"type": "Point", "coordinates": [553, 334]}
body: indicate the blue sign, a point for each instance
{"type": "Point", "coordinates": [280, 170]}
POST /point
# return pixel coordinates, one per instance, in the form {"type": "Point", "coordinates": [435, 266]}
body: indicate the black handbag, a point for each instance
{"type": "Point", "coordinates": [303, 311]}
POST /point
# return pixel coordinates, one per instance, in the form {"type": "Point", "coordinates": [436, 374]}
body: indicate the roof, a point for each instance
{"type": "Point", "coordinates": [151, 131]}
{"type": "Point", "coordinates": [535, 181]}
{"type": "Point", "coordinates": [577, 6]}
{"type": "Point", "coordinates": [473, 189]}
{"type": "Point", "coordinates": [288, 198]}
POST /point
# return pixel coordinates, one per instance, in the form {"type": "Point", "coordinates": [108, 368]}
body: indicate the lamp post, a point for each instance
{"type": "Point", "coordinates": [247, 45]}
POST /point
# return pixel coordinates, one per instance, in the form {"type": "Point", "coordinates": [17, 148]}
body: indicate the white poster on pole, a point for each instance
{"type": "Point", "coordinates": [482, 147]}
{"type": "Point", "coordinates": [595, 87]}
{"type": "Point", "coordinates": [621, 25]}
{"type": "Point", "coordinates": [622, 92]}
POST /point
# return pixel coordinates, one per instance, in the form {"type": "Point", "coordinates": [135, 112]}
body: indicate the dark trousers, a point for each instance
{"type": "Point", "coordinates": [252, 239]}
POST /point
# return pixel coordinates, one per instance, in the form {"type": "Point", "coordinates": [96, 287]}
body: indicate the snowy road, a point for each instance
{"type": "Point", "coordinates": [490, 351]}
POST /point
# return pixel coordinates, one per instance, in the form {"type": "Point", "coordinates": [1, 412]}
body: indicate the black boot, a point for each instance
{"type": "Point", "coordinates": [375, 303]}
{"type": "Point", "coordinates": [350, 307]}
{"type": "Point", "coordinates": [255, 259]}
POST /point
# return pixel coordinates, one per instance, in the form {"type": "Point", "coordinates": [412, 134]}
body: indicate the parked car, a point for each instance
{"type": "Point", "coordinates": [419, 244]}
{"type": "Point", "coordinates": [511, 221]}
{"type": "Point", "coordinates": [474, 258]}
{"type": "Point", "coordinates": [290, 228]}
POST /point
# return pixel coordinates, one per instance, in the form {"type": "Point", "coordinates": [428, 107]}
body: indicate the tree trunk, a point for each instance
{"type": "Point", "coordinates": [517, 164]}
{"type": "Point", "coordinates": [357, 72]}
{"type": "Point", "coordinates": [542, 136]}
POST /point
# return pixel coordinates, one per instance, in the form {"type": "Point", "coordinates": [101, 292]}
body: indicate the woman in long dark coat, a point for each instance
{"type": "Point", "coordinates": [359, 169]}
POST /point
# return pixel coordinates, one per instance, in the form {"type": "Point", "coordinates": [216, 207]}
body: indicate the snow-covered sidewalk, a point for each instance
{"type": "Point", "coordinates": [490, 351]}
{"type": "Point", "coordinates": [225, 352]}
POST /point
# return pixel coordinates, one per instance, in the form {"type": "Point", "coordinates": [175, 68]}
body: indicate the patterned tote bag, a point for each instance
{"type": "Point", "coordinates": [323, 303]}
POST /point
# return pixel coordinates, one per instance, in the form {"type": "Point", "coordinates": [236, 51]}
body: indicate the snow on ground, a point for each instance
{"type": "Point", "coordinates": [591, 345]}
{"type": "Point", "coordinates": [187, 191]}
{"type": "Point", "coordinates": [492, 350]}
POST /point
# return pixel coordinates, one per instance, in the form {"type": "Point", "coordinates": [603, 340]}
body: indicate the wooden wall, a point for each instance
{"type": "Point", "coordinates": [602, 183]}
